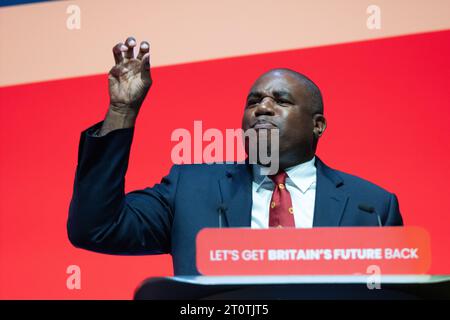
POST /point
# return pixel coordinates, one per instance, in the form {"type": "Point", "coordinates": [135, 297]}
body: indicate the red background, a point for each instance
{"type": "Point", "coordinates": [386, 101]}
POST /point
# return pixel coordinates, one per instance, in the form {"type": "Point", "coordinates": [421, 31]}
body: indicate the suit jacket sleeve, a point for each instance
{"type": "Point", "coordinates": [102, 217]}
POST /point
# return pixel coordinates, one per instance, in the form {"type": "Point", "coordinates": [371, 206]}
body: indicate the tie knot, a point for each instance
{"type": "Point", "coordinates": [279, 178]}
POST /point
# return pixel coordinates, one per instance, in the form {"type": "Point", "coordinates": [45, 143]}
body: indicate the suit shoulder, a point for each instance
{"type": "Point", "coordinates": [205, 168]}
{"type": "Point", "coordinates": [359, 184]}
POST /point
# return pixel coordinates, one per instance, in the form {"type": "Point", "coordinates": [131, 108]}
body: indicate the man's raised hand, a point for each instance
{"type": "Point", "coordinates": [129, 82]}
{"type": "Point", "coordinates": [130, 78]}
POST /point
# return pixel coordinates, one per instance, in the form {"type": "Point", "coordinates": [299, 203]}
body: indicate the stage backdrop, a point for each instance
{"type": "Point", "coordinates": [386, 92]}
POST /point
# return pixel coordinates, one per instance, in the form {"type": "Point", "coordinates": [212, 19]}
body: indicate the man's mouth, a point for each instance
{"type": "Point", "coordinates": [263, 125]}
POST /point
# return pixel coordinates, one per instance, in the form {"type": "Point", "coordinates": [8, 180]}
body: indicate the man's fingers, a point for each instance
{"type": "Point", "coordinates": [118, 49]}
{"type": "Point", "coordinates": [130, 43]}
{"type": "Point", "coordinates": [146, 61]}
{"type": "Point", "coordinates": [145, 68]}
{"type": "Point", "coordinates": [144, 48]}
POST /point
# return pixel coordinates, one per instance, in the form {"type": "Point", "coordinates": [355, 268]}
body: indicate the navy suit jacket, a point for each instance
{"type": "Point", "coordinates": [167, 217]}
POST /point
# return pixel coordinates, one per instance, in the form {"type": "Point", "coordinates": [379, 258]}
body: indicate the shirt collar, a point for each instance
{"type": "Point", "coordinates": [301, 176]}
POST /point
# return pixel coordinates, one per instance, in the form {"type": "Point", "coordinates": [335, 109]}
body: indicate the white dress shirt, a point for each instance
{"type": "Point", "coordinates": [301, 184]}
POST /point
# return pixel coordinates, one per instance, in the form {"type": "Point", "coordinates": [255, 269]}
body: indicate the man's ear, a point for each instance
{"type": "Point", "coordinates": [320, 124]}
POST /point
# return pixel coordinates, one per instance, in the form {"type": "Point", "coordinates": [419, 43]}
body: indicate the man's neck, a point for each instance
{"type": "Point", "coordinates": [288, 163]}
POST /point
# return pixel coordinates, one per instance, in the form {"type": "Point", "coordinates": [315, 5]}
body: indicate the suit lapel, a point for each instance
{"type": "Point", "coordinates": [236, 191]}
{"type": "Point", "coordinates": [330, 199]}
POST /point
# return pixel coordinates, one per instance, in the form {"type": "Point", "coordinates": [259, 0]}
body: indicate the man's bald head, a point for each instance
{"type": "Point", "coordinates": [315, 101]}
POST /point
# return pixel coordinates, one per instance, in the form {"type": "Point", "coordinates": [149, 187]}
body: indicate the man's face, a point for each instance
{"type": "Point", "coordinates": [280, 100]}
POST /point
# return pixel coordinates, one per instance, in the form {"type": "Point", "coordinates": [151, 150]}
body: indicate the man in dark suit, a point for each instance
{"type": "Point", "coordinates": [167, 217]}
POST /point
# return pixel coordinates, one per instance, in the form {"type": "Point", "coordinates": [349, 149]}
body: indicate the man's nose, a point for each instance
{"type": "Point", "coordinates": [265, 107]}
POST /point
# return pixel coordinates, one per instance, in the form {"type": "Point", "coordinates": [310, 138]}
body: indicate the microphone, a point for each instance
{"type": "Point", "coordinates": [222, 209]}
{"type": "Point", "coordinates": [370, 209]}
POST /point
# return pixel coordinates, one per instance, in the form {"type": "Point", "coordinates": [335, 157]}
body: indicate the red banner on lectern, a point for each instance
{"type": "Point", "coordinates": [291, 251]}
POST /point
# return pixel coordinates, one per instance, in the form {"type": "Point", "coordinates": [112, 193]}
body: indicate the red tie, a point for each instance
{"type": "Point", "coordinates": [281, 212]}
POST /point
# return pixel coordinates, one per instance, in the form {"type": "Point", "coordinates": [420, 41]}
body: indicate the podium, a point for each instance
{"type": "Point", "coordinates": [318, 263]}
{"type": "Point", "coordinates": [293, 287]}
